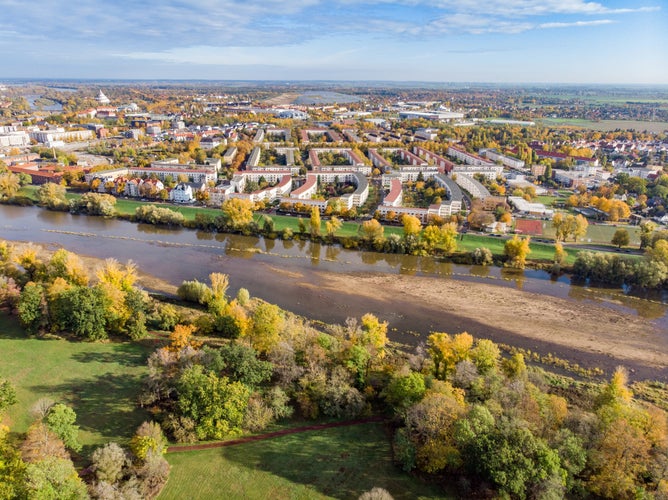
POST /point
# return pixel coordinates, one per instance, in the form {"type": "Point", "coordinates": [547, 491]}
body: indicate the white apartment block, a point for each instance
{"type": "Point", "coordinates": [508, 161]}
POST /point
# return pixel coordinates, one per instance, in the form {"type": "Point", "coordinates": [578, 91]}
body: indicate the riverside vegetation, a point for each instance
{"type": "Point", "coordinates": [460, 413]}
{"type": "Point", "coordinates": [439, 238]}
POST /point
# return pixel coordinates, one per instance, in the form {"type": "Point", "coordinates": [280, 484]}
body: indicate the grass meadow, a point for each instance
{"type": "Point", "coordinates": [340, 462]}
{"type": "Point", "coordinates": [100, 381]}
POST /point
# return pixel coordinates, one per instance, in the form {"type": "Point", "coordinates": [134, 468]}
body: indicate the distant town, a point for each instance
{"type": "Point", "coordinates": [434, 155]}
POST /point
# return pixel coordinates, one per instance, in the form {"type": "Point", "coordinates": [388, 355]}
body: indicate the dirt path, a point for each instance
{"type": "Point", "coordinates": [271, 435]}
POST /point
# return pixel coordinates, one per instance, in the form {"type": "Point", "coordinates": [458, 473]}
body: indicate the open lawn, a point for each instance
{"type": "Point", "coordinates": [340, 462]}
{"type": "Point", "coordinates": [539, 251]}
{"type": "Point", "coordinates": [606, 125]}
{"type": "Point", "coordinates": [600, 234]}
{"type": "Point", "coordinates": [100, 381]}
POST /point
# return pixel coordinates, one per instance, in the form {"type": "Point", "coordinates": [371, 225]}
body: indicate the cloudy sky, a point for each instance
{"type": "Point", "coordinates": [569, 41]}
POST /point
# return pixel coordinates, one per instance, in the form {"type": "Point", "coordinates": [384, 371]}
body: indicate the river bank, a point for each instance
{"type": "Point", "coordinates": [587, 326]}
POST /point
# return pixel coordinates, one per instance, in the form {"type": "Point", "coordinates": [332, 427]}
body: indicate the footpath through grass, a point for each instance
{"type": "Point", "coordinates": [340, 462]}
{"type": "Point", "coordinates": [101, 381]}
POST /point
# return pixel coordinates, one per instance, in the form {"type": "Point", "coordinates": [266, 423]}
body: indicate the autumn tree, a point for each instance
{"type": "Point", "coordinates": [621, 238]}
{"type": "Point", "coordinates": [52, 196]}
{"type": "Point", "coordinates": [314, 222]}
{"type": "Point", "coordinates": [9, 185]}
{"type": "Point", "coordinates": [237, 213]}
{"type": "Point", "coordinates": [333, 225]}
{"type": "Point", "coordinates": [444, 236]}
{"type": "Point", "coordinates": [516, 251]}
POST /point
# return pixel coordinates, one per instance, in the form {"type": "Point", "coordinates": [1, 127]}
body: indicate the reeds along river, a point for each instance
{"type": "Point", "coordinates": [275, 270]}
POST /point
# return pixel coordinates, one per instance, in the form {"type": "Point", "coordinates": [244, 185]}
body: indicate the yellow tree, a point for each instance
{"type": "Point", "coordinates": [117, 276]}
{"type": "Point", "coordinates": [182, 337]}
{"type": "Point", "coordinates": [333, 225]}
{"type": "Point", "coordinates": [372, 230]}
{"type": "Point", "coordinates": [412, 225]}
{"type": "Point", "coordinates": [446, 351]}
{"type": "Point", "coordinates": [580, 227]}
{"type": "Point", "coordinates": [9, 185]}
{"type": "Point", "coordinates": [559, 253]}
{"type": "Point", "coordinates": [315, 221]}
{"type": "Point", "coordinates": [516, 250]}
{"type": "Point", "coordinates": [237, 213]}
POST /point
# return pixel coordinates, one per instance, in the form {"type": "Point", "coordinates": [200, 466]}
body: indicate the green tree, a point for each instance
{"type": "Point", "coordinates": [7, 397]}
{"type": "Point", "coordinates": [405, 390]}
{"type": "Point", "coordinates": [215, 404]}
{"type": "Point", "coordinates": [54, 478]}
{"type": "Point", "coordinates": [647, 229]}
{"type": "Point", "coordinates": [88, 310]}
{"type": "Point", "coordinates": [61, 421]}
{"type": "Point", "coordinates": [31, 307]}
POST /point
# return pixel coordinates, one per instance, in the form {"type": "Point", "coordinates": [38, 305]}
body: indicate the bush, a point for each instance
{"type": "Point", "coordinates": [194, 291]}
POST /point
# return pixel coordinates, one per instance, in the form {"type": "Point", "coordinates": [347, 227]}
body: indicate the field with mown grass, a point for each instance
{"type": "Point", "coordinates": [606, 125]}
{"type": "Point", "coordinates": [340, 462]}
{"type": "Point", "coordinates": [101, 381]}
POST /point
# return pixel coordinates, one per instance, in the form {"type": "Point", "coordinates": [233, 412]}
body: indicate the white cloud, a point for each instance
{"type": "Point", "coordinates": [576, 24]}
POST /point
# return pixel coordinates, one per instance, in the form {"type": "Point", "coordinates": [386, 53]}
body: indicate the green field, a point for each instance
{"type": "Point", "coordinates": [340, 462]}
{"type": "Point", "coordinates": [100, 381]}
{"type": "Point", "coordinates": [600, 234]}
{"type": "Point", "coordinates": [605, 125]}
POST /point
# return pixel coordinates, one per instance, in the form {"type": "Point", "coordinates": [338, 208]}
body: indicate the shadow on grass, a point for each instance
{"type": "Point", "coordinates": [341, 462]}
{"type": "Point", "coordinates": [106, 404]}
{"type": "Point", "coordinates": [123, 354]}
{"type": "Point", "coordinates": [10, 328]}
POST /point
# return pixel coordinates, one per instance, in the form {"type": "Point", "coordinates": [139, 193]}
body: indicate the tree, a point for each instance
{"type": "Point", "coordinates": [52, 196]}
{"type": "Point", "coordinates": [333, 225]}
{"type": "Point", "coordinates": [237, 213]}
{"type": "Point", "coordinates": [109, 462]}
{"type": "Point", "coordinates": [148, 441]}
{"type": "Point", "coordinates": [215, 404]}
{"type": "Point", "coordinates": [54, 478]}
{"type": "Point", "coordinates": [88, 310]}
{"type": "Point", "coordinates": [266, 322]}
{"type": "Point", "coordinates": [581, 225]}
{"type": "Point", "coordinates": [314, 222]}
{"type": "Point", "coordinates": [445, 236]}
{"type": "Point", "coordinates": [412, 225]}
{"type": "Point", "coordinates": [621, 238]}
{"type": "Point", "coordinates": [647, 228]}
{"type": "Point", "coordinates": [405, 390]}
{"type": "Point", "coordinates": [119, 277]}
{"type": "Point", "coordinates": [516, 250]}
{"type": "Point", "coordinates": [372, 230]}
{"type": "Point", "coordinates": [68, 266]}
{"type": "Point", "coordinates": [9, 185]}
{"type": "Point", "coordinates": [559, 253]}
{"type": "Point", "coordinates": [31, 307]}
{"type": "Point", "coordinates": [61, 421]}
{"type": "Point", "coordinates": [7, 396]}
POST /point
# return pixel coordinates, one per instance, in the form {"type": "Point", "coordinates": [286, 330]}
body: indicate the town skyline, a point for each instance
{"type": "Point", "coordinates": [571, 42]}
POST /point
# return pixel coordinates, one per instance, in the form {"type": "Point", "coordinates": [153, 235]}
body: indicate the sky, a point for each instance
{"type": "Point", "coordinates": [502, 41]}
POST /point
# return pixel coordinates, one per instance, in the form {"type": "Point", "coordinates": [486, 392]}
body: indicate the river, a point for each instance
{"type": "Point", "coordinates": [298, 276]}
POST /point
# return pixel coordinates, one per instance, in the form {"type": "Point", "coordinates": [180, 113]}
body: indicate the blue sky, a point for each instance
{"type": "Point", "coordinates": [565, 41]}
